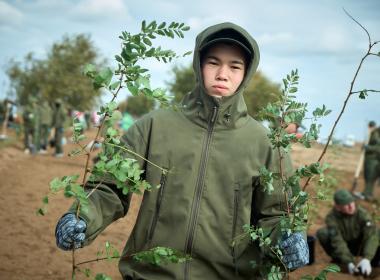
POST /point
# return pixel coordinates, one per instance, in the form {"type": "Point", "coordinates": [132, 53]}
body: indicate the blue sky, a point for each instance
{"type": "Point", "coordinates": [315, 37]}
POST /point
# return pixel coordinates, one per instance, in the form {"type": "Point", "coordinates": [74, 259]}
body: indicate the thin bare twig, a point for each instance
{"type": "Point", "coordinates": [97, 260]}
{"type": "Point", "coordinates": [366, 90]}
{"type": "Point", "coordinates": [347, 98]}
{"type": "Point", "coordinates": [136, 154]}
{"type": "Point", "coordinates": [351, 17]}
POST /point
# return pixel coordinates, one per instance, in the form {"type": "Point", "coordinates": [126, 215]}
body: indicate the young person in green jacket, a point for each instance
{"type": "Point", "coordinates": [213, 150]}
{"type": "Point", "coordinates": [350, 232]}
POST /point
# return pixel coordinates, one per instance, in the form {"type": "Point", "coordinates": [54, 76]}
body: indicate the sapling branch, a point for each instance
{"type": "Point", "coordinates": [98, 133]}
{"type": "Point", "coordinates": [350, 93]}
{"type": "Point", "coordinates": [136, 154]}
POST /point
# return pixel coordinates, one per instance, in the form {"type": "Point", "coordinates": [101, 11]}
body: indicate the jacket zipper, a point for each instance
{"type": "Point", "coordinates": [234, 222]}
{"type": "Point", "coordinates": [199, 189]}
{"type": "Point", "coordinates": [158, 206]}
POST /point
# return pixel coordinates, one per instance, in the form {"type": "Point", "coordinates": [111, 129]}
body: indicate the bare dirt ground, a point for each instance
{"type": "Point", "coordinates": [27, 243]}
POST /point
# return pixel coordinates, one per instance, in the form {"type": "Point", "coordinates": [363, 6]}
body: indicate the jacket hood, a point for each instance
{"type": "Point", "coordinates": [232, 110]}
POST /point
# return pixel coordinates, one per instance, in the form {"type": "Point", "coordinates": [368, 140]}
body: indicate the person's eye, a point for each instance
{"type": "Point", "coordinates": [236, 67]}
{"type": "Point", "coordinates": [212, 62]}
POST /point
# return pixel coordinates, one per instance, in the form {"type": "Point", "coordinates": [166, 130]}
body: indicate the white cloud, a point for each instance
{"type": "Point", "coordinates": [98, 9]}
{"type": "Point", "coordinates": [9, 15]}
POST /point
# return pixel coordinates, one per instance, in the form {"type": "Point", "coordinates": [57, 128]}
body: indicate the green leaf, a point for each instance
{"type": "Point", "coordinates": [41, 212]}
{"type": "Point", "coordinates": [114, 85]}
{"type": "Point", "coordinates": [45, 200]}
{"type": "Point", "coordinates": [332, 268]}
{"type": "Point", "coordinates": [102, 276]}
{"type": "Point", "coordinates": [147, 41]}
{"type": "Point", "coordinates": [112, 106]}
{"type": "Point", "coordinates": [106, 74]}
{"type": "Point", "coordinates": [56, 185]}
{"type": "Point", "coordinates": [89, 69]}
{"type": "Point", "coordinates": [144, 80]}
{"type": "Point", "coordinates": [363, 94]}
{"type": "Point", "coordinates": [185, 28]}
{"type": "Point", "coordinates": [133, 89]}
{"type": "Point", "coordinates": [143, 26]}
{"type": "Point", "coordinates": [162, 25]}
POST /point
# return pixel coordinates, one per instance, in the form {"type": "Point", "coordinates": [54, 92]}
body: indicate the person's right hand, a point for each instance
{"type": "Point", "coordinates": [69, 232]}
{"type": "Point", "coordinates": [352, 268]}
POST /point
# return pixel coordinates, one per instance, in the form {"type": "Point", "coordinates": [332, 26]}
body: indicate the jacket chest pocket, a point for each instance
{"type": "Point", "coordinates": [158, 206]}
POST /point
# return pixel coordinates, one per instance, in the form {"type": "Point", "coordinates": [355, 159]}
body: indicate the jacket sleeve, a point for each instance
{"type": "Point", "coordinates": [370, 237]}
{"type": "Point", "coordinates": [338, 244]}
{"type": "Point", "coordinates": [268, 209]}
{"type": "Point", "coordinates": [107, 203]}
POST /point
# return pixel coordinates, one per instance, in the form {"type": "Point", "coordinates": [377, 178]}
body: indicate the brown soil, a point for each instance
{"type": "Point", "coordinates": [27, 243]}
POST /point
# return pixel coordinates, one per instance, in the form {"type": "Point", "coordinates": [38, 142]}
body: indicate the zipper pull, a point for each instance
{"type": "Point", "coordinates": [214, 114]}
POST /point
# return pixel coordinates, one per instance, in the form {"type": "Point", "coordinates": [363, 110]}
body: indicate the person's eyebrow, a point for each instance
{"type": "Point", "coordinates": [238, 62]}
{"type": "Point", "coordinates": [212, 57]}
{"type": "Point", "coordinates": [233, 61]}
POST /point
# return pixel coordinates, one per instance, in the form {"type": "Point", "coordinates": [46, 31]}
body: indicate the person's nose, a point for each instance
{"type": "Point", "coordinates": [222, 73]}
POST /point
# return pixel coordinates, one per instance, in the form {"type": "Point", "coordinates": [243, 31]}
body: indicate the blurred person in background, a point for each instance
{"type": "Point", "coordinates": [371, 160]}
{"type": "Point", "coordinates": [58, 122]}
{"type": "Point", "coordinates": [350, 232]}
{"type": "Point", "coordinates": [31, 122]}
{"type": "Point", "coordinates": [45, 126]}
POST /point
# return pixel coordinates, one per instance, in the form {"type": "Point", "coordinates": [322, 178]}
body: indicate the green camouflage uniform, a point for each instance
{"type": "Point", "coordinates": [372, 163]}
{"type": "Point", "coordinates": [58, 122]}
{"type": "Point", "coordinates": [214, 151]}
{"type": "Point", "coordinates": [45, 124]}
{"type": "Point", "coordinates": [347, 236]}
{"type": "Point", "coordinates": [31, 118]}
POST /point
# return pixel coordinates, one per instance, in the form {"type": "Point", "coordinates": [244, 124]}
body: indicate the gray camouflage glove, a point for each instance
{"type": "Point", "coordinates": [295, 251]}
{"type": "Point", "coordinates": [69, 232]}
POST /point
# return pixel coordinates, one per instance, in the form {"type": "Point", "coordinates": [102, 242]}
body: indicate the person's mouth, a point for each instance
{"type": "Point", "coordinates": [220, 87]}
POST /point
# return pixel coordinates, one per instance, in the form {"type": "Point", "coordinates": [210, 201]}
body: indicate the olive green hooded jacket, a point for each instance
{"type": "Point", "coordinates": [213, 151]}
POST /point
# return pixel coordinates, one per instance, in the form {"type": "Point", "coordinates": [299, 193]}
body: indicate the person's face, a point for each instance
{"type": "Point", "coordinates": [348, 209]}
{"type": "Point", "coordinates": [291, 128]}
{"type": "Point", "coordinates": [223, 69]}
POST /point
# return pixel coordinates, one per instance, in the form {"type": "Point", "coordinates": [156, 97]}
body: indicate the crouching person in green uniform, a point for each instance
{"type": "Point", "coordinates": [213, 150]}
{"type": "Point", "coordinates": [350, 232]}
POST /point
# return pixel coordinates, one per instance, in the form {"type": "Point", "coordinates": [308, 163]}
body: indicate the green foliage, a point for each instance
{"type": "Point", "coordinates": [266, 180]}
{"type": "Point", "coordinates": [102, 276]}
{"type": "Point", "coordinates": [182, 83]}
{"type": "Point", "coordinates": [323, 274]}
{"type": "Point", "coordinates": [161, 256]}
{"type": "Point", "coordinates": [124, 172]}
{"type": "Point", "coordinates": [58, 75]}
{"type": "Point", "coordinates": [275, 273]}
{"type": "Point", "coordinates": [70, 188]}
{"type": "Point", "coordinates": [137, 105]}
{"type": "Point", "coordinates": [281, 113]}
{"type": "Point", "coordinates": [110, 252]}
{"type": "Point", "coordinates": [363, 94]}
{"type": "Point", "coordinates": [260, 92]}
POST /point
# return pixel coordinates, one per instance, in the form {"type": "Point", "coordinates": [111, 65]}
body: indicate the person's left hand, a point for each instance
{"type": "Point", "coordinates": [295, 251]}
{"type": "Point", "coordinates": [365, 267]}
